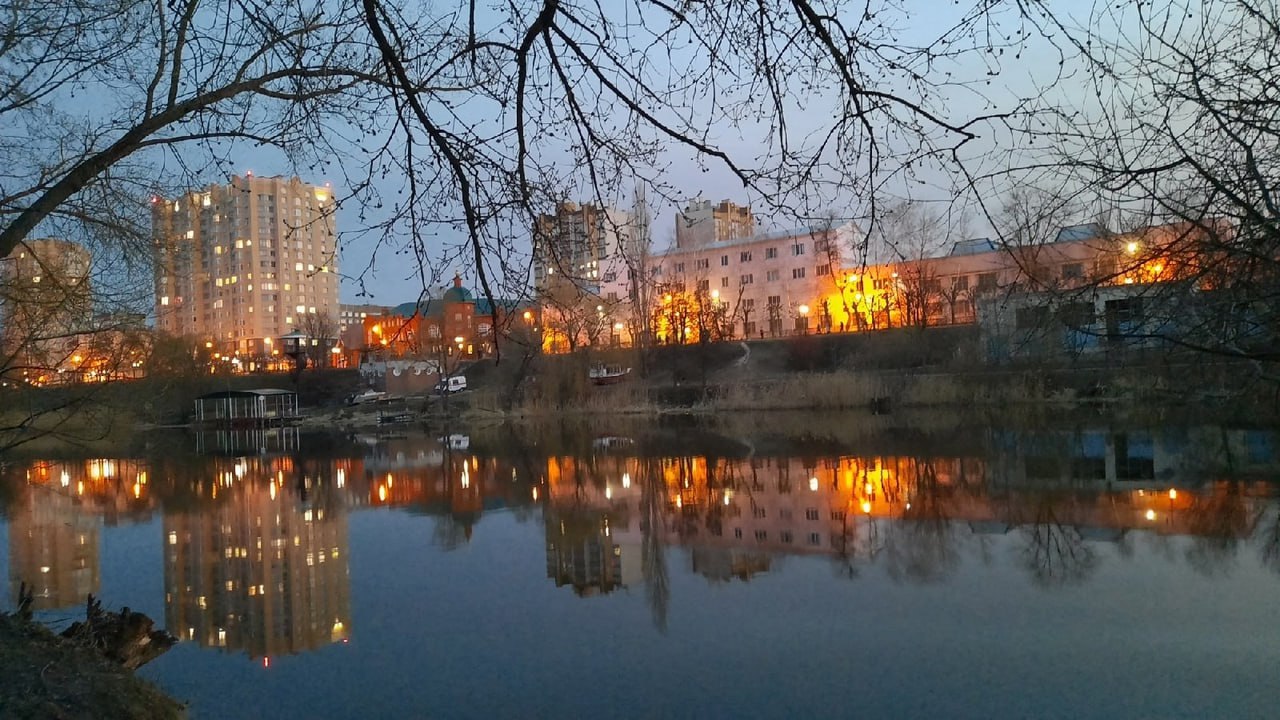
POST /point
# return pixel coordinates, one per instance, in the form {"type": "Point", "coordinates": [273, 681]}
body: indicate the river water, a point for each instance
{"type": "Point", "coordinates": [679, 570]}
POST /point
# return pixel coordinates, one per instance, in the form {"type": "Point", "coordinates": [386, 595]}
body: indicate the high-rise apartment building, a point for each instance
{"type": "Point", "coordinates": [584, 244]}
{"type": "Point", "coordinates": [45, 303]}
{"type": "Point", "coordinates": [242, 263]}
{"type": "Point", "coordinates": [701, 223]}
{"type": "Point", "coordinates": [585, 259]}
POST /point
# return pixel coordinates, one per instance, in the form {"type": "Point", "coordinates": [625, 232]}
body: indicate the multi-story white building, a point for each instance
{"type": "Point", "coordinates": [243, 263]}
{"type": "Point", "coordinates": [768, 284]}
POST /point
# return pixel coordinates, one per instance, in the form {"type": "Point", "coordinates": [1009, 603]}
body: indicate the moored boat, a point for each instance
{"type": "Point", "coordinates": [608, 374]}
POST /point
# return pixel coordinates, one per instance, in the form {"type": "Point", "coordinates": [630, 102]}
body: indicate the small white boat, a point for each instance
{"type": "Point", "coordinates": [608, 374]}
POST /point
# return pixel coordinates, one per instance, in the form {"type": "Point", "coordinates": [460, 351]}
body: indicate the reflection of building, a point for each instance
{"type": "Point", "coordinates": [261, 571]}
{"type": "Point", "coordinates": [725, 564]}
{"type": "Point", "coordinates": [583, 552]}
{"type": "Point", "coordinates": [53, 548]}
{"type": "Point", "coordinates": [45, 303]}
{"type": "Point", "coordinates": [1135, 458]}
{"type": "Point", "coordinates": [735, 515]}
{"type": "Point", "coordinates": [240, 264]}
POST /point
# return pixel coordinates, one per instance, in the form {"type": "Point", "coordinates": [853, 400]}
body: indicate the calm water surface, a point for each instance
{"type": "Point", "coordinates": [1085, 572]}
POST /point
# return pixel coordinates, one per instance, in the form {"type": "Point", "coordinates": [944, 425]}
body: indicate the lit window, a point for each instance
{"type": "Point", "coordinates": [297, 267]}
{"type": "Point", "coordinates": [35, 279]}
{"type": "Point", "coordinates": [164, 300]}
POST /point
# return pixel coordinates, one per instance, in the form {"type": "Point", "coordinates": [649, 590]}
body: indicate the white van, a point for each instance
{"type": "Point", "coordinates": [451, 385]}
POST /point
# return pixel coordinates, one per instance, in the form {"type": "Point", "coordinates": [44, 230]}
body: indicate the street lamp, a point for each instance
{"type": "Point", "coordinates": [804, 318]}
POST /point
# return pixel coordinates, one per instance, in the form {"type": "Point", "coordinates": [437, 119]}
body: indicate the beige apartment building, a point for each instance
{"type": "Point", "coordinates": [700, 223]}
{"type": "Point", "coordinates": [46, 301]}
{"type": "Point", "coordinates": [240, 264]}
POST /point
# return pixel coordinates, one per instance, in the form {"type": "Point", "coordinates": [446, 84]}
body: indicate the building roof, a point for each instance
{"type": "Point", "coordinates": [1085, 231]}
{"type": "Point", "coordinates": [410, 308]}
{"type": "Point", "coordinates": [973, 246]}
{"type": "Point", "coordinates": [457, 294]}
{"type": "Point", "coordinates": [800, 232]}
{"type": "Point", "coordinates": [257, 392]}
{"type": "Point", "coordinates": [435, 308]}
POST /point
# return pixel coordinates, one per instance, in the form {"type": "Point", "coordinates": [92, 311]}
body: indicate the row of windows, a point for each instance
{"type": "Point", "coordinates": [758, 511]}
{"type": "Point", "coordinates": [744, 256]}
{"type": "Point", "coordinates": [784, 536]}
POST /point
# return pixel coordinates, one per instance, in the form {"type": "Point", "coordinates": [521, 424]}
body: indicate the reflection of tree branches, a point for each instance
{"type": "Point", "coordinates": [652, 558]}
{"type": "Point", "coordinates": [1268, 535]}
{"type": "Point", "coordinates": [922, 547]}
{"type": "Point", "coordinates": [1056, 553]}
{"type": "Point", "coordinates": [1217, 522]}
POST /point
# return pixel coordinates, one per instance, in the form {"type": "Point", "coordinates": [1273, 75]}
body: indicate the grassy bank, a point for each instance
{"type": "Point", "coordinates": [44, 676]}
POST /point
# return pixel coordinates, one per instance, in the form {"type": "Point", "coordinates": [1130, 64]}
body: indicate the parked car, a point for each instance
{"type": "Point", "coordinates": [450, 385]}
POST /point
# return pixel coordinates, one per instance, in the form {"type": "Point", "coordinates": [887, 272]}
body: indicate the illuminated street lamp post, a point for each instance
{"type": "Point", "coordinates": [804, 319]}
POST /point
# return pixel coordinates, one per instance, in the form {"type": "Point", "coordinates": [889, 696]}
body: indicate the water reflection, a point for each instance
{"type": "Point", "coordinates": [256, 546]}
{"type": "Point", "coordinates": [262, 567]}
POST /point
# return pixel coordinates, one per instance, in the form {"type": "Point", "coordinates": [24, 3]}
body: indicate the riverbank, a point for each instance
{"type": "Point", "coordinates": [45, 676]}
